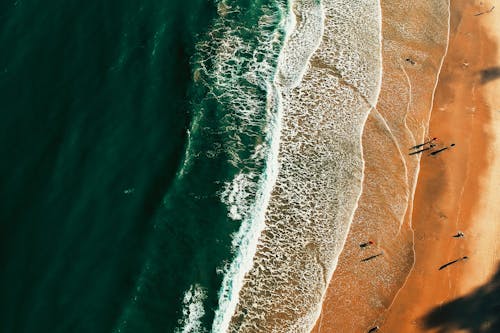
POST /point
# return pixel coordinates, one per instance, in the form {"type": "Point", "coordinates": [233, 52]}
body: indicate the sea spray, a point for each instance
{"type": "Point", "coordinates": [321, 168]}
{"type": "Point", "coordinates": [225, 178]}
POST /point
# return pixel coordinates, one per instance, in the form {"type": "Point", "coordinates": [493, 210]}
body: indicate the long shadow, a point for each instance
{"type": "Point", "coordinates": [477, 312]}
{"type": "Point", "coordinates": [490, 74]}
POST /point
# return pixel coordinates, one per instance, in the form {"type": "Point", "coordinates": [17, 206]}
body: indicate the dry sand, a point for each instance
{"type": "Point", "coordinates": [458, 189]}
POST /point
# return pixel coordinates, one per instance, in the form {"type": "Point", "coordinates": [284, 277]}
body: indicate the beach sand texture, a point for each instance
{"type": "Point", "coordinates": [414, 43]}
{"type": "Point", "coordinates": [457, 189]}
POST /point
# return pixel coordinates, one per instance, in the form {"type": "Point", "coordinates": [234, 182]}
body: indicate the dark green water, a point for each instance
{"type": "Point", "coordinates": [108, 213]}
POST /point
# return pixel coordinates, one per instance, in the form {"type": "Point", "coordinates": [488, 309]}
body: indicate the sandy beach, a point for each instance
{"type": "Point", "coordinates": [359, 291]}
{"type": "Point", "coordinates": [457, 189]}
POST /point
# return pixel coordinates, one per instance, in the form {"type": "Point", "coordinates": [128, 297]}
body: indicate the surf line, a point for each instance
{"type": "Point", "coordinates": [372, 104]}
{"type": "Point", "coordinates": [245, 241]}
{"type": "Point", "coordinates": [246, 238]}
{"type": "Point", "coordinates": [253, 225]}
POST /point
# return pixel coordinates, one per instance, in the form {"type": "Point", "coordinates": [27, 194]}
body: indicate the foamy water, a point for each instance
{"type": "Point", "coordinates": [238, 64]}
{"type": "Point", "coordinates": [321, 165]}
{"type": "Point", "coordinates": [192, 311]}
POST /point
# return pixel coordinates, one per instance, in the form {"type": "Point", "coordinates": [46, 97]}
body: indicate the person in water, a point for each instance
{"type": "Point", "coordinates": [411, 61]}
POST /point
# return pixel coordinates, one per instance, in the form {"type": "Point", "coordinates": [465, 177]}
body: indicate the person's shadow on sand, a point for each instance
{"type": "Point", "coordinates": [478, 312]}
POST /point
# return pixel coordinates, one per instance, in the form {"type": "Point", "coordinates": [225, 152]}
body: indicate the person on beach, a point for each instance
{"type": "Point", "coordinates": [423, 144]}
{"type": "Point", "coordinates": [459, 235]}
{"type": "Point", "coordinates": [422, 150]}
{"type": "Point", "coordinates": [452, 262]}
{"type": "Point", "coordinates": [440, 150]}
{"type": "Point", "coordinates": [363, 245]}
{"type": "Point", "coordinates": [372, 257]}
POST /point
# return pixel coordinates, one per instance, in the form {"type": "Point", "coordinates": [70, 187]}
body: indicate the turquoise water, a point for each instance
{"type": "Point", "coordinates": [124, 127]}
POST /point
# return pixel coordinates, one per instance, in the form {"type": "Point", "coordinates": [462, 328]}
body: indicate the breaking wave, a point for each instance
{"type": "Point", "coordinates": [237, 64]}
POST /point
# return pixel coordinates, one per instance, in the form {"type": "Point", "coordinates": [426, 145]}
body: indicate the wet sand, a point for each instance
{"type": "Point", "coordinates": [412, 54]}
{"type": "Point", "coordinates": [457, 189]}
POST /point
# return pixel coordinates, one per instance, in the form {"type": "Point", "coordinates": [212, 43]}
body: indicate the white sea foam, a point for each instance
{"type": "Point", "coordinates": [192, 311]}
{"type": "Point", "coordinates": [245, 241]}
{"type": "Point", "coordinates": [321, 166]}
{"type": "Point", "coordinates": [301, 211]}
{"type": "Point", "coordinates": [236, 72]}
{"type": "Point", "coordinates": [236, 193]}
{"type": "Point", "coordinates": [305, 29]}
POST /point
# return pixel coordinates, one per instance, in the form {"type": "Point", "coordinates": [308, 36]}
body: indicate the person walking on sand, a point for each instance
{"type": "Point", "coordinates": [422, 150]}
{"type": "Point", "coordinates": [363, 245]}
{"type": "Point", "coordinates": [440, 150]}
{"type": "Point", "coordinates": [452, 262]}
{"type": "Point", "coordinates": [459, 235]}
{"type": "Point", "coordinates": [373, 329]}
{"type": "Point", "coordinates": [423, 144]}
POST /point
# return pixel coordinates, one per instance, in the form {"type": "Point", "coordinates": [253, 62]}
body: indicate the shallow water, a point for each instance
{"type": "Point", "coordinates": [321, 167]}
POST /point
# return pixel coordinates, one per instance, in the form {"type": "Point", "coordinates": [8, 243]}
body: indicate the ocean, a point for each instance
{"type": "Point", "coordinates": [159, 170]}
{"type": "Point", "coordinates": [120, 133]}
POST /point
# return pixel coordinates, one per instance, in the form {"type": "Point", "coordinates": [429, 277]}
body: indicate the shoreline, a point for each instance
{"type": "Point", "coordinates": [319, 176]}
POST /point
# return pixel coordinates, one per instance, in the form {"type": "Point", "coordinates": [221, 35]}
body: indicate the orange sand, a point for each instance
{"type": "Point", "coordinates": [457, 189]}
